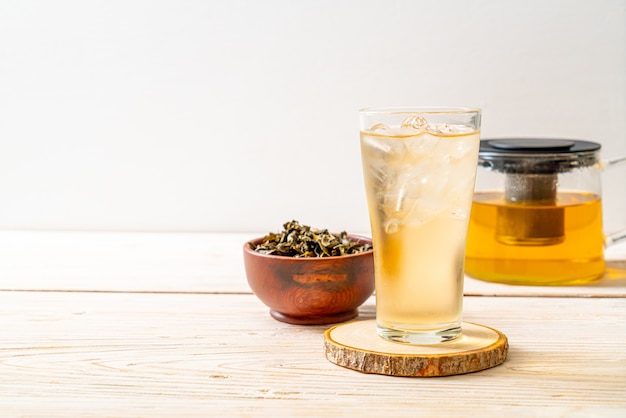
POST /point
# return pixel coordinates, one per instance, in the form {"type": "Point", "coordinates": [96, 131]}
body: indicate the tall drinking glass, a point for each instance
{"type": "Point", "coordinates": [419, 168]}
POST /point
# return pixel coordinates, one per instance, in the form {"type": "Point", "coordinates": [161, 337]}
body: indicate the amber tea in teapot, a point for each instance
{"type": "Point", "coordinates": [536, 216]}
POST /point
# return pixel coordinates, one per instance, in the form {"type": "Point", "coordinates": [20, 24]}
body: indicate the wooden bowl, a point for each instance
{"type": "Point", "coordinates": [311, 290]}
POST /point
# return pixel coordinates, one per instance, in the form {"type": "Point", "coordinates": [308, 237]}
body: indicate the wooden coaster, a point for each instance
{"type": "Point", "coordinates": [357, 346]}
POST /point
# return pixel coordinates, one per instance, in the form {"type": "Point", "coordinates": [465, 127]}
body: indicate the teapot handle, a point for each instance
{"type": "Point", "coordinates": [614, 238]}
{"type": "Point", "coordinates": [613, 162]}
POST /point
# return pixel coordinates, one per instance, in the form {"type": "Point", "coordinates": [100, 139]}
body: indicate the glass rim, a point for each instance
{"type": "Point", "coordinates": [416, 110]}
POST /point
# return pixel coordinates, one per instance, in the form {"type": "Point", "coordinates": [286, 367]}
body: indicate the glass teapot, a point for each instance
{"type": "Point", "coordinates": [537, 213]}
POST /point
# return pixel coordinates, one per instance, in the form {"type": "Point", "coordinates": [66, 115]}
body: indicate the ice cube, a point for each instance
{"type": "Point", "coordinates": [426, 208]}
{"type": "Point", "coordinates": [416, 123]}
{"type": "Point", "coordinates": [395, 207]}
{"type": "Point", "coordinates": [392, 200]}
{"type": "Point", "coordinates": [435, 179]}
{"type": "Point", "coordinates": [461, 147]}
{"type": "Point", "coordinates": [421, 145]}
{"type": "Point", "coordinates": [454, 150]}
{"type": "Point", "coordinates": [379, 128]}
{"type": "Point", "coordinates": [379, 173]}
{"type": "Point", "coordinates": [439, 129]}
{"type": "Point", "coordinates": [391, 226]}
{"type": "Point", "coordinates": [448, 129]}
{"type": "Point", "coordinates": [384, 148]}
{"type": "Point", "coordinates": [377, 146]}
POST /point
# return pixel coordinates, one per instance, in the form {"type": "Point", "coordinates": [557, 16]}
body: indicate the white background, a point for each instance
{"type": "Point", "coordinates": [179, 115]}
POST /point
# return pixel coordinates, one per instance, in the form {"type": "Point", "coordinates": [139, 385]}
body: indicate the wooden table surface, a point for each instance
{"type": "Point", "coordinates": [164, 324]}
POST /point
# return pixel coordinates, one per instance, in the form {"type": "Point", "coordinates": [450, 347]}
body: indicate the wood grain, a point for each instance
{"type": "Point", "coordinates": [122, 262]}
{"type": "Point", "coordinates": [356, 346]}
{"type": "Point", "coordinates": [108, 354]}
{"type": "Point", "coordinates": [122, 324]}
{"type": "Point", "coordinates": [191, 263]}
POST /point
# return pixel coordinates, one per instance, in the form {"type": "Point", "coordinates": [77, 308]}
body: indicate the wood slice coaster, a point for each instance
{"type": "Point", "coordinates": [357, 346]}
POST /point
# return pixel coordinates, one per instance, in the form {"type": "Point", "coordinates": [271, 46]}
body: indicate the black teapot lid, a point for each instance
{"type": "Point", "coordinates": [537, 155]}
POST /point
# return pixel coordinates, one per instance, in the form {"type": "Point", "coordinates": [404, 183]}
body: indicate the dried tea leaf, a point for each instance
{"type": "Point", "coordinates": [296, 240]}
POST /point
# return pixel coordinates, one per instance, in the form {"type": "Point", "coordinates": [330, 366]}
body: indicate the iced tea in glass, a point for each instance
{"type": "Point", "coordinates": [419, 168]}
